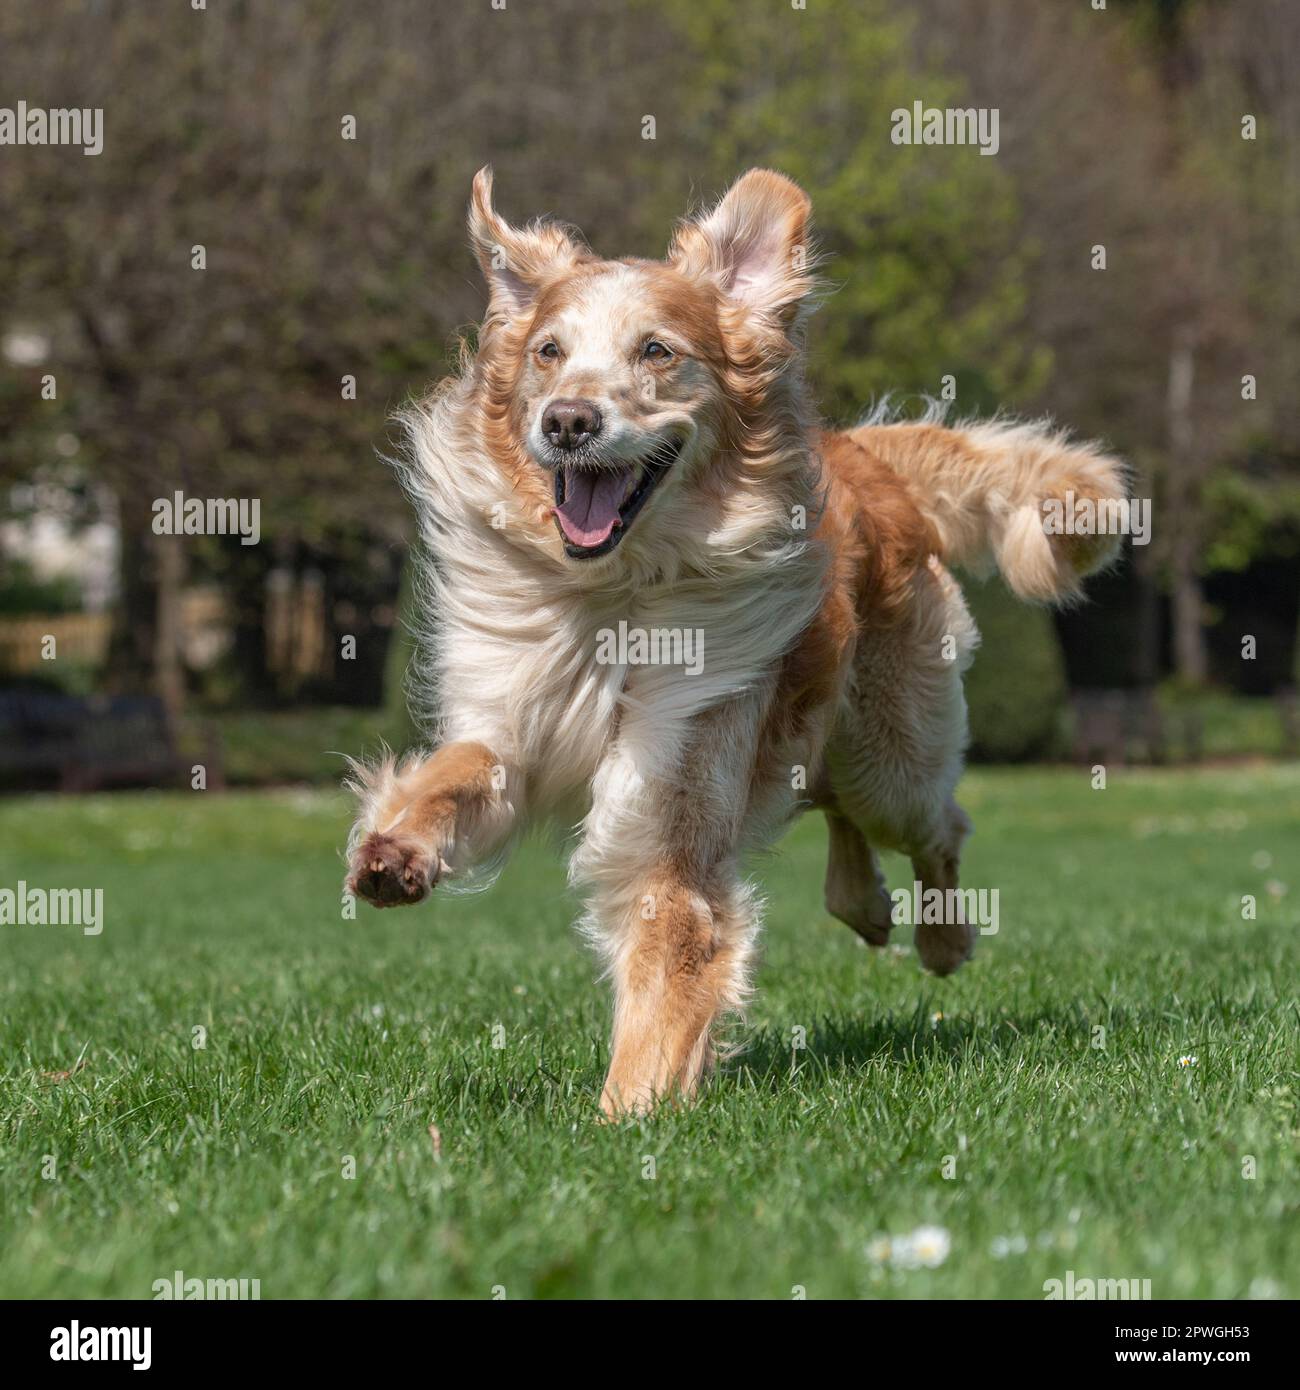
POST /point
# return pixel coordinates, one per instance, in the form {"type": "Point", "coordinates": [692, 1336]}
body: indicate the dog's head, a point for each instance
{"type": "Point", "coordinates": [625, 399]}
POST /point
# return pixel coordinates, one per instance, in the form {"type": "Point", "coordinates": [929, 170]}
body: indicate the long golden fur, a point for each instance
{"type": "Point", "coordinates": [633, 449]}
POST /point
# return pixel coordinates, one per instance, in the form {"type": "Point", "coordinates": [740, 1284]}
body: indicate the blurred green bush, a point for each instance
{"type": "Point", "coordinates": [1016, 688]}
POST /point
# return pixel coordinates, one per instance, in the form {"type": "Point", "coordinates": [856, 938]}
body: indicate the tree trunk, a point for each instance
{"type": "Point", "coordinates": [246, 593]}
{"type": "Point", "coordinates": [145, 647]}
{"type": "Point", "coordinates": [132, 647]}
{"type": "Point", "coordinates": [1184, 484]}
{"type": "Point", "coordinates": [168, 664]}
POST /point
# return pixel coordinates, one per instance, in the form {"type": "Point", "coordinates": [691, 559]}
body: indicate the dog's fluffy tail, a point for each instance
{"type": "Point", "coordinates": [992, 489]}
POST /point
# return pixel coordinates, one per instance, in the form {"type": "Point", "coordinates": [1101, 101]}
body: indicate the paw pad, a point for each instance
{"type": "Point", "coordinates": [390, 873]}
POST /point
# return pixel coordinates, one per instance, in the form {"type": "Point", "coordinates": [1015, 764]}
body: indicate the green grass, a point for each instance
{"type": "Point", "coordinates": [1119, 909]}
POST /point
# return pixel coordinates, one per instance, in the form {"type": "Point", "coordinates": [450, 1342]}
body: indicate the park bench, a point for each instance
{"type": "Point", "coordinates": [80, 743]}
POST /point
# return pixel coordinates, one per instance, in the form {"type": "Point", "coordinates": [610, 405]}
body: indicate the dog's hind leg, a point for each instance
{"type": "Point", "coordinates": [944, 945]}
{"type": "Point", "coordinates": [856, 892]}
{"type": "Point", "coordinates": [897, 753]}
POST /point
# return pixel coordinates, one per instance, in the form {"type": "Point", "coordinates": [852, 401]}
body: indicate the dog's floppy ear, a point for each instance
{"type": "Point", "coordinates": [516, 261]}
{"type": "Point", "coordinates": [754, 244]}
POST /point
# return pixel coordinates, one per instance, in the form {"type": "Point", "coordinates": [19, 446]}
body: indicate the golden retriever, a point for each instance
{"type": "Point", "coordinates": [670, 611]}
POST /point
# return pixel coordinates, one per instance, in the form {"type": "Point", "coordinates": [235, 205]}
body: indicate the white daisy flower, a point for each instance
{"type": "Point", "coordinates": [878, 1250]}
{"type": "Point", "coordinates": [927, 1246]}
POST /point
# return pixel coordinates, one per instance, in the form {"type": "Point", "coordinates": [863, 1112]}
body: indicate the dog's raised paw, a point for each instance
{"type": "Point", "coordinates": [389, 872]}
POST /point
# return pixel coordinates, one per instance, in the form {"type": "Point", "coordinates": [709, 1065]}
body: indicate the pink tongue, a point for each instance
{"type": "Point", "coordinates": [589, 511]}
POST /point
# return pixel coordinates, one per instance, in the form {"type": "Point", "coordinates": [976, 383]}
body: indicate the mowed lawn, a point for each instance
{"type": "Point", "coordinates": [294, 1147]}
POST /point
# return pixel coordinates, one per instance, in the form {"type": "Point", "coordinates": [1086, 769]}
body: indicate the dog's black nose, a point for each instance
{"type": "Point", "coordinates": [567, 424]}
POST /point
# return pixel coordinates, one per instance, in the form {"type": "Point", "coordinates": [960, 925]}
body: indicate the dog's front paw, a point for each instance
{"type": "Point", "coordinates": [390, 872]}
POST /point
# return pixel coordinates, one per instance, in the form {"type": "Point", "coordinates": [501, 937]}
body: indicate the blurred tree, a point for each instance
{"type": "Point", "coordinates": [269, 253]}
{"type": "Point", "coordinates": [1136, 144]}
{"type": "Point", "coordinates": [320, 154]}
{"type": "Point", "coordinates": [1240, 124]}
{"type": "Point", "coordinates": [923, 261]}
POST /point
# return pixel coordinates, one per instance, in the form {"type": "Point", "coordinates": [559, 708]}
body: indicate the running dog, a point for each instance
{"type": "Point", "coordinates": [630, 460]}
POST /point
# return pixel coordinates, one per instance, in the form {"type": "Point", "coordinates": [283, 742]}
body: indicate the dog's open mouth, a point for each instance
{"type": "Point", "coordinates": [595, 506]}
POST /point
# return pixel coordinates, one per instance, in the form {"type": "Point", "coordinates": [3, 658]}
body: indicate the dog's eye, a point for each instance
{"type": "Point", "coordinates": [655, 351]}
{"type": "Point", "coordinates": [548, 351]}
